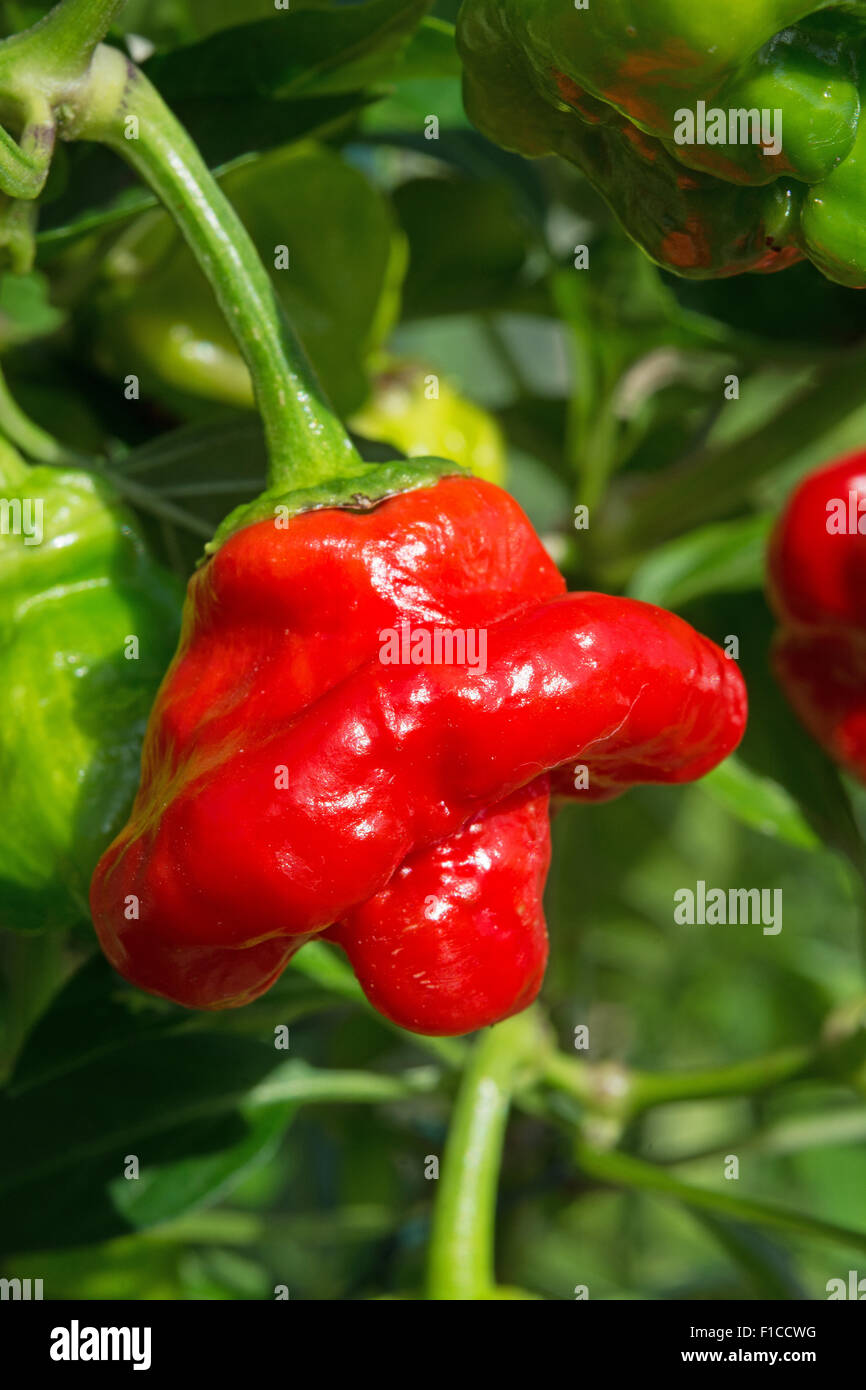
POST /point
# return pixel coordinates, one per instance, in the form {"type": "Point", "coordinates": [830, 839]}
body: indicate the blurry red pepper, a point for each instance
{"type": "Point", "coordinates": [293, 783]}
{"type": "Point", "coordinates": [817, 586]}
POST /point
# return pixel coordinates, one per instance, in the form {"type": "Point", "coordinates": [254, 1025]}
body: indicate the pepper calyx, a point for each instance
{"type": "Point", "coordinates": [356, 493]}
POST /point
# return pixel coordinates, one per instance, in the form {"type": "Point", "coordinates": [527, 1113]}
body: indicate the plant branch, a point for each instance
{"type": "Point", "coordinates": [461, 1262]}
{"type": "Point", "coordinates": [65, 38]}
{"type": "Point", "coordinates": [24, 167]}
{"type": "Point", "coordinates": [615, 1091]}
{"type": "Point", "coordinates": [621, 1170]}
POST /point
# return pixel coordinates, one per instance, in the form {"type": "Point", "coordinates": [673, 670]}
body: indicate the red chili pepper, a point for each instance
{"type": "Point", "coordinates": [457, 939]}
{"type": "Point", "coordinates": [817, 587]}
{"type": "Point", "coordinates": [293, 783]}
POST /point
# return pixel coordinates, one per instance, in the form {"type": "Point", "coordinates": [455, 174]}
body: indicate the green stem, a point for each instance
{"type": "Point", "coordinates": [740, 1079]}
{"type": "Point", "coordinates": [296, 1081]}
{"type": "Point", "coordinates": [24, 167]}
{"type": "Point", "coordinates": [18, 235]}
{"type": "Point", "coordinates": [613, 1090]}
{"type": "Point", "coordinates": [307, 445]}
{"type": "Point", "coordinates": [621, 1170]}
{"type": "Point", "coordinates": [31, 438]}
{"type": "Point", "coordinates": [461, 1244]}
{"type": "Point", "coordinates": [65, 39]}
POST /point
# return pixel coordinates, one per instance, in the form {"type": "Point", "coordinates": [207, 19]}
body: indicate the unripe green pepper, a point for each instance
{"type": "Point", "coordinates": [626, 90]}
{"type": "Point", "coordinates": [87, 624]}
{"type": "Point", "coordinates": [424, 417]}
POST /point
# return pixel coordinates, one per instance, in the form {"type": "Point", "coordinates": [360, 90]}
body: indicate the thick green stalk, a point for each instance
{"type": "Point", "coordinates": [461, 1245]}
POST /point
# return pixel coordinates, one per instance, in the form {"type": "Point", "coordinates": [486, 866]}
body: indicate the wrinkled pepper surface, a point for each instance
{"type": "Point", "coordinates": [606, 86]}
{"type": "Point", "coordinates": [295, 784]}
{"type": "Point", "coordinates": [817, 587]}
{"type": "Point", "coordinates": [76, 584]}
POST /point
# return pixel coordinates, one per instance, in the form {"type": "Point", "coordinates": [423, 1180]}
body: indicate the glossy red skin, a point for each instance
{"type": "Point", "coordinates": [817, 587]}
{"type": "Point", "coordinates": [278, 667]}
{"type": "Point", "coordinates": [462, 922]}
{"type": "Point", "coordinates": [817, 579]}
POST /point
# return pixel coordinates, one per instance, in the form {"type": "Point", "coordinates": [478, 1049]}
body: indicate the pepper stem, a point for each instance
{"type": "Point", "coordinates": [461, 1262]}
{"type": "Point", "coordinates": [31, 438]}
{"type": "Point", "coordinates": [307, 444]}
{"type": "Point", "coordinates": [66, 37]}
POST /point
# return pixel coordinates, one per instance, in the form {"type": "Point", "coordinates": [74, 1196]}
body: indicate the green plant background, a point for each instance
{"type": "Point", "coordinates": [306, 1168]}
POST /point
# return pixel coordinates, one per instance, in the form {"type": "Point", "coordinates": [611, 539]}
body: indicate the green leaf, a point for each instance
{"type": "Point", "coordinates": [719, 477]}
{"type": "Point", "coordinates": [110, 1073]}
{"type": "Point", "coordinates": [298, 53]}
{"type": "Point", "coordinates": [170, 1101]}
{"type": "Point", "coordinates": [760, 803]}
{"type": "Point", "coordinates": [168, 1190]}
{"type": "Point", "coordinates": [102, 193]}
{"type": "Point", "coordinates": [426, 82]}
{"type": "Point", "coordinates": [468, 245]}
{"type": "Point", "coordinates": [767, 1266]}
{"type": "Point", "coordinates": [158, 317]}
{"type": "Point", "coordinates": [246, 90]}
{"type": "Point", "coordinates": [96, 1013]}
{"type": "Point", "coordinates": [210, 15]}
{"type": "Point", "coordinates": [798, 308]}
{"type": "Point", "coordinates": [726, 558]}
{"type": "Point", "coordinates": [776, 748]}
{"type": "Point", "coordinates": [25, 309]}
{"type": "Point", "coordinates": [431, 52]}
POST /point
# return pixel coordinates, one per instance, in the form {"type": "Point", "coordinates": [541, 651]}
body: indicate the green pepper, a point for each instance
{"type": "Point", "coordinates": [424, 417]}
{"type": "Point", "coordinates": [88, 623]}
{"type": "Point", "coordinates": [726, 138]}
